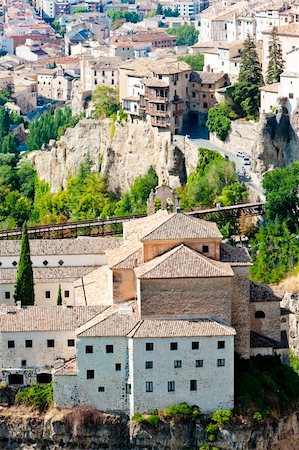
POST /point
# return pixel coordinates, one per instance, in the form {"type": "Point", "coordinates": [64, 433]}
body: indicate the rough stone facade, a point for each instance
{"type": "Point", "coordinates": [242, 137]}
{"type": "Point", "coordinates": [270, 324]}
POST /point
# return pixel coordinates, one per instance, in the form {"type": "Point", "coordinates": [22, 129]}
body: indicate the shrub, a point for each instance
{"type": "Point", "coordinates": [181, 411]}
{"type": "Point", "coordinates": [153, 420]}
{"type": "Point", "coordinates": [208, 447]}
{"type": "Point", "coordinates": [38, 396]}
{"type": "Point", "coordinates": [221, 416]}
{"type": "Point", "coordinates": [138, 418]}
{"type": "Point", "coordinates": [219, 121]}
{"type": "Point", "coordinates": [211, 431]}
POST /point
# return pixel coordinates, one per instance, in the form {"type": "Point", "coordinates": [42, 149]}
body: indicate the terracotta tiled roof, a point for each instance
{"type": "Point", "coordinates": [136, 229]}
{"type": "Point", "coordinates": [234, 255]}
{"type": "Point", "coordinates": [40, 274]}
{"type": "Point", "coordinates": [181, 226]}
{"type": "Point", "coordinates": [262, 293]}
{"type": "Point", "coordinates": [183, 262]}
{"type": "Point", "coordinates": [46, 318]}
{"type": "Point", "coordinates": [174, 328]}
{"type": "Point", "coordinates": [206, 77]}
{"type": "Point", "coordinates": [270, 88]}
{"type": "Point", "coordinates": [124, 256]}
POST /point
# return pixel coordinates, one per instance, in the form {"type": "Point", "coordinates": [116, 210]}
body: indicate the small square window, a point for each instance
{"type": "Point", "coordinates": [89, 374]}
{"type": "Point", "coordinates": [10, 344]}
{"type": "Point", "coordinates": [199, 363]}
{"type": "Point", "coordinates": [291, 95]}
{"type": "Point", "coordinates": [66, 294]}
{"type": "Point", "coordinates": [117, 366]}
{"type": "Point", "coordinates": [221, 344]}
{"type": "Point", "coordinates": [177, 364]}
{"type": "Point", "coordinates": [149, 346]}
{"type": "Point", "coordinates": [205, 249]}
{"type": "Point", "coordinates": [101, 389]}
{"type": "Point", "coordinates": [24, 362]}
{"type": "Point", "coordinates": [193, 385]}
{"type": "Point", "coordinates": [7, 295]}
{"type": "Point", "coordinates": [48, 294]}
{"type": "Point", "coordinates": [28, 343]}
{"type": "Point", "coordinates": [195, 345]}
{"type": "Point", "coordinates": [173, 345]}
{"type": "Point", "coordinates": [88, 348]}
{"type": "Point", "coordinates": [220, 362]}
{"type": "Point", "coordinates": [109, 348]}
{"type": "Point", "coordinates": [128, 388]}
{"type": "Point", "coordinates": [50, 343]}
{"type": "Point", "coordinates": [71, 342]}
{"type": "Point", "coordinates": [171, 386]}
{"type": "Point", "coordinates": [148, 364]}
{"type": "Point", "coordinates": [149, 386]}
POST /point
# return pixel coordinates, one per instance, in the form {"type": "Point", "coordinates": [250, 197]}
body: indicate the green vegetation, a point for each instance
{"type": "Point", "coordinates": [5, 95]}
{"type": "Point", "coordinates": [79, 9]}
{"type": "Point", "coordinates": [59, 297]}
{"type": "Point", "coordinates": [275, 248]}
{"type": "Point", "coordinates": [214, 176]}
{"type": "Point", "coordinates": [24, 287]}
{"type": "Point", "coordinates": [219, 120]}
{"type": "Point", "coordinates": [166, 11]}
{"type": "Point", "coordinates": [49, 126]}
{"type": "Point", "coordinates": [185, 34]}
{"type": "Point", "coordinates": [152, 420]}
{"type": "Point", "coordinates": [38, 396]}
{"type": "Point", "coordinates": [58, 28]}
{"type": "Point", "coordinates": [129, 16]}
{"type": "Point", "coordinates": [263, 384]}
{"type": "Point", "coordinates": [105, 102]}
{"type": "Point", "coordinates": [195, 61]}
{"type": "Point", "coordinates": [176, 413]}
{"type": "Point", "coordinates": [275, 60]}
{"type": "Point", "coordinates": [208, 447]}
{"type": "Point", "coordinates": [218, 419]}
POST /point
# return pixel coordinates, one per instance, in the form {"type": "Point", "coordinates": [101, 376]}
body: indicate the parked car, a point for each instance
{"type": "Point", "coordinates": [240, 154]}
{"type": "Point", "coordinates": [246, 161]}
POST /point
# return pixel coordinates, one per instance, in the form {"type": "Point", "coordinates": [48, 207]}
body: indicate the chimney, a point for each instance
{"type": "Point", "coordinates": [19, 304]}
{"type": "Point", "coordinates": [178, 209]}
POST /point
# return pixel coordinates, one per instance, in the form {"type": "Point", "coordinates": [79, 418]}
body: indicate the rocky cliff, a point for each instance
{"type": "Point", "coordinates": [23, 428]}
{"type": "Point", "coordinates": [121, 152]}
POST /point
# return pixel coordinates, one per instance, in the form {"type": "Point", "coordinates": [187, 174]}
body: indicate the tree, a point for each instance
{"type": "Point", "coordinates": [275, 61]}
{"type": "Point", "coordinates": [59, 297]}
{"type": "Point", "coordinates": [4, 123]}
{"type": "Point", "coordinates": [185, 34]}
{"type": "Point", "coordinates": [9, 144]}
{"type": "Point", "coordinates": [79, 9]}
{"type": "Point", "coordinates": [105, 101]}
{"type": "Point", "coordinates": [218, 121]}
{"type": "Point", "coordinates": [246, 92]}
{"type": "Point", "coordinates": [159, 10]}
{"type": "Point", "coordinates": [24, 287]}
{"type": "Point", "coordinates": [195, 61]}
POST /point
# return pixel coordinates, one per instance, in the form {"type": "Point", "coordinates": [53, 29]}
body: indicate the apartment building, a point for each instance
{"type": "Point", "coordinates": [102, 71]}
{"type": "Point", "coordinates": [54, 84]}
{"type": "Point", "coordinates": [158, 90]}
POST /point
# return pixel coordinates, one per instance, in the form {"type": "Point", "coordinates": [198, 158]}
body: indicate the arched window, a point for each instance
{"type": "Point", "coordinates": [283, 320]}
{"type": "Point", "coordinates": [260, 315]}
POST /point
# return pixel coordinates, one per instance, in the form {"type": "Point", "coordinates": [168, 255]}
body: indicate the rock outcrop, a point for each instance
{"type": "Point", "coordinates": [120, 152]}
{"type": "Point", "coordinates": [23, 428]}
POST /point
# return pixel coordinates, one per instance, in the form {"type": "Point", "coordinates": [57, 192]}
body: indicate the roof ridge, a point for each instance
{"type": "Point", "coordinates": [166, 255]}
{"type": "Point", "coordinates": [210, 261]}
{"type": "Point", "coordinates": [167, 219]}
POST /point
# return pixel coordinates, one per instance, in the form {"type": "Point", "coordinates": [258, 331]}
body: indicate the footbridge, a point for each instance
{"type": "Point", "coordinates": [113, 226]}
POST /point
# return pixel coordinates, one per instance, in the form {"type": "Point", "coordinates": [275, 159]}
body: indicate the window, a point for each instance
{"type": "Point", "coordinates": [149, 346]}
{"type": "Point", "coordinates": [177, 364]}
{"type": "Point", "coordinates": [66, 294]}
{"type": "Point", "coordinates": [88, 348]}
{"type": "Point", "coordinates": [10, 344]}
{"type": "Point", "coordinates": [101, 389]}
{"type": "Point", "coordinates": [45, 263]}
{"type": "Point", "coordinates": [60, 262]}
{"type": "Point", "coordinates": [199, 363]}
{"type": "Point", "coordinates": [221, 344]}
{"type": "Point", "coordinates": [195, 345]}
{"type": "Point", "coordinates": [7, 295]}
{"type": "Point", "coordinates": [71, 342]}
{"type": "Point", "coordinates": [205, 105]}
{"type": "Point", "coordinates": [128, 388]}
{"type": "Point", "coordinates": [173, 345]}
{"type": "Point", "coordinates": [148, 364]}
{"type": "Point", "coordinates": [220, 362]}
{"type": "Point", "coordinates": [205, 249]}
{"type": "Point", "coordinates": [291, 95]}
{"type": "Point", "coordinates": [28, 343]}
{"type": "Point", "coordinates": [109, 348]}
{"type": "Point", "coordinates": [89, 374]}
{"type": "Point", "coordinates": [260, 315]}
{"type": "Point", "coordinates": [48, 294]}
{"type": "Point", "coordinates": [149, 386]}
{"type": "Point", "coordinates": [117, 366]}
{"type": "Point", "coordinates": [193, 385]}
{"type": "Point", "coordinates": [193, 94]}
{"type": "Point", "coordinates": [23, 362]}
{"type": "Point", "coordinates": [171, 386]}
{"type": "Point", "coordinates": [50, 343]}
{"type": "Point", "coordinates": [14, 263]}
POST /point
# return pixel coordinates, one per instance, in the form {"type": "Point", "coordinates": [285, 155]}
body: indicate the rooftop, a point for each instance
{"type": "Point", "coordinates": [183, 262]}
{"type": "Point", "coordinates": [260, 292]}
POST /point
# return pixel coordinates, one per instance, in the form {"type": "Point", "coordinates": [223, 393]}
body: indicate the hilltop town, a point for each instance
{"type": "Point", "coordinates": [149, 219]}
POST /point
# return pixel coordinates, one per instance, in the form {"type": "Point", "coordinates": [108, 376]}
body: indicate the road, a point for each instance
{"type": "Point", "coordinates": [247, 180]}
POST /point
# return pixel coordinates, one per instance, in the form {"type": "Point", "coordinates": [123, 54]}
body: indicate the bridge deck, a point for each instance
{"type": "Point", "coordinates": [112, 227]}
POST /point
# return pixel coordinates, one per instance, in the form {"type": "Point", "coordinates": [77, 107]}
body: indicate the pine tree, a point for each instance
{"type": "Point", "coordinates": [59, 297]}
{"type": "Point", "coordinates": [159, 10]}
{"type": "Point", "coordinates": [250, 68]}
{"type": "Point", "coordinates": [24, 287]}
{"type": "Point", "coordinates": [275, 63]}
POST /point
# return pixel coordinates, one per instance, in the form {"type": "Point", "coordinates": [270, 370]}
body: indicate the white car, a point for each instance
{"type": "Point", "coordinates": [246, 161]}
{"type": "Point", "coordinates": [240, 154]}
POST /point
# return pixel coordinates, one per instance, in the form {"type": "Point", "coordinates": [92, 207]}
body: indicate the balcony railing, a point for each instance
{"type": "Point", "coordinates": [155, 112]}
{"type": "Point", "coordinates": [155, 98]}
{"type": "Point", "coordinates": [160, 123]}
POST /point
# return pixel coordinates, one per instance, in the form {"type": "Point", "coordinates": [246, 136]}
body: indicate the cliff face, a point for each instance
{"type": "Point", "coordinates": [23, 428]}
{"type": "Point", "coordinates": [120, 152]}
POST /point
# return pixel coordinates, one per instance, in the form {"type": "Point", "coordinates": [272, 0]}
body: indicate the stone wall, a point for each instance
{"type": "Point", "coordinates": [242, 137]}
{"type": "Point", "coordinates": [241, 309]}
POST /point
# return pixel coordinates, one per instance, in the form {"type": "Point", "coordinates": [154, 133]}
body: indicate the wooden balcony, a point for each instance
{"type": "Point", "coordinates": [156, 99]}
{"type": "Point", "coordinates": [160, 123]}
{"type": "Point", "coordinates": [155, 112]}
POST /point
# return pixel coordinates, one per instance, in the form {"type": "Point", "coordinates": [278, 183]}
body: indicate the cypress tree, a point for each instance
{"type": "Point", "coordinates": [59, 297]}
{"type": "Point", "coordinates": [275, 63]}
{"type": "Point", "coordinates": [24, 287]}
{"type": "Point", "coordinates": [250, 68]}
